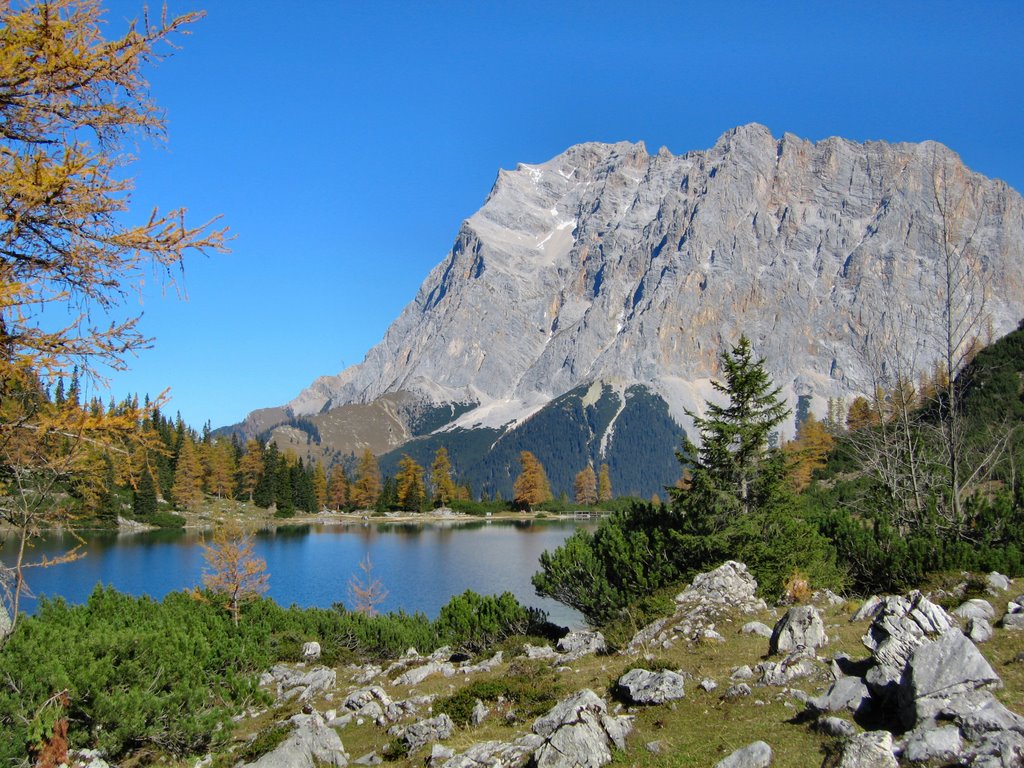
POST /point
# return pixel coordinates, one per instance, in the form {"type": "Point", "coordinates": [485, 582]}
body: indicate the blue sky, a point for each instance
{"type": "Point", "coordinates": [344, 142]}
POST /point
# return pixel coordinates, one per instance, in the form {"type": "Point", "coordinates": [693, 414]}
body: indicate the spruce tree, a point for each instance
{"type": "Point", "coordinates": [144, 498]}
{"type": "Point", "coordinates": [735, 470]}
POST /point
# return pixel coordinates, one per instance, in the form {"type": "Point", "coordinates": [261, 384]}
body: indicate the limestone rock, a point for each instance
{"type": "Point", "coordinates": [800, 627]}
{"type": "Point", "coordinates": [641, 686]}
{"type": "Point", "coordinates": [997, 583]}
{"type": "Point", "coordinates": [940, 671]}
{"type": "Point", "coordinates": [756, 628]}
{"type": "Point", "coordinates": [291, 682]}
{"type": "Point", "coordinates": [578, 733]}
{"type": "Point", "coordinates": [497, 754]}
{"type": "Point", "coordinates": [1013, 621]}
{"type": "Point", "coordinates": [937, 745]}
{"type": "Point", "coordinates": [869, 609]}
{"type": "Point", "coordinates": [424, 732]}
{"type": "Point", "coordinates": [311, 651]}
{"type": "Point", "coordinates": [975, 608]}
{"type": "Point", "coordinates": [979, 630]}
{"type": "Point", "coordinates": [575, 645]}
{"type": "Point", "coordinates": [872, 749]}
{"type": "Point", "coordinates": [849, 693]}
{"type": "Point", "coordinates": [559, 278]}
{"type": "Point", "coordinates": [479, 713]}
{"type": "Point", "coordinates": [311, 744]}
{"type": "Point", "coordinates": [901, 625]}
{"type": "Point", "coordinates": [756, 755]}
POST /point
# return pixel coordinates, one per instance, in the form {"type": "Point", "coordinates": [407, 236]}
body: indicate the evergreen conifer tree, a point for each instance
{"type": "Point", "coordinates": [144, 498]}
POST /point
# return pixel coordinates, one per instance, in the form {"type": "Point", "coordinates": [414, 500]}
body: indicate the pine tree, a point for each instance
{"type": "Point", "coordinates": [441, 477]}
{"type": "Point", "coordinates": [187, 490]}
{"type": "Point", "coordinates": [735, 470]}
{"type": "Point", "coordinates": [585, 486]}
{"type": "Point", "coordinates": [367, 487]}
{"type": "Point", "coordinates": [144, 498]}
{"type": "Point", "coordinates": [410, 490]}
{"type": "Point", "coordinates": [265, 491]}
{"type": "Point", "coordinates": [604, 484]}
{"type": "Point", "coordinates": [531, 487]}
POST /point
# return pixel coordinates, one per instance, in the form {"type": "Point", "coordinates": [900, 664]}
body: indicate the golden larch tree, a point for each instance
{"type": "Point", "coordinates": [187, 490]}
{"type": "Point", "coordinates": [366, 592]}
{"type": "Point", "coordinates": [366, 489]}
{"type": "Point", "coordinates": [604, 484]}
{"type": "Point", "coordinates": [808, 452]}
{"type": "Point", "coordinates": [409, 482]}
{"type": "Point", "coordinates": [441, 477]}
{"type": "Point", "coordinates": [585, 486]}
{"type": "Point", "coordinates": [320, 486]}
{"type": "Point", "coordinates": [531, 487]}
{"type": "Point", "coordinates": [337, 488]}
{"type": "Point", "coordinates": [250, 468]}
{"type": "Point", "coordinates": [232, 569]}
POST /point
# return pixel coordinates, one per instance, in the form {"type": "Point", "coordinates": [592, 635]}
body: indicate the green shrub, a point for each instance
{"type": "Point", "coordinates": [475, 622]}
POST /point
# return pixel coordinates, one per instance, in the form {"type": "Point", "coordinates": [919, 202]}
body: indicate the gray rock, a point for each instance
{"type": "Point", "coordinates": [835, 726]}
{"type": "Point", "coordinates": [1013, 621]}
{"type": "Point", "coordinates": [370, 758]}
{"type": "Point", "coordinates": [439, 754]}
{"type": "Point", "coordinates": [997, 582]}
{"type": "Point", "coordinates": [980, 714]}
{"type": "Point", "coordinates": [941, 745]}
{"type": "Point", "coordinates": [654, 747]}
{"type": "Point", "coordinates": [902, 624]}
{"type": "Point", "coordinates": [756, 628]}
{"type": "Point", "coordinates": [871, 607]}
{"type": "Point", "coordinates": [291, 682]}
{"type": "Point", "coordinates": [424, 732]}
{"type": "Point", "coordinates": [643, 687]}
{"type": "Point", "coordinates": [575, 645]}
{"type": "Point", "coordinates": [798, 663]}
{"type": "Point", "coordinates": [579, 733]}
{"type": "Point", "coordinates": [311, 651]}
{"type": "Point", "coordinates": [846, 693]}
{"type": "Point", "coordinates": [417, 675]}
{"type": "Point", "coordinates": [539, 651]}
{"type": "Point", "coordinates": [979, 630]}
{"type": "Point", "coordinates": [975, 608]}
{"type": "Point", "coordinates": [497, 754]}
{"type": "Point", "coordinates": [827, 597]}
{"type": "Point", "coordinates": [735, 691]}
{"type": "Point", "coordinates": [708, 684]}
{"type": "Point", "coordinates": [940, 671]}
{"type": "Point", "coordinates": [479, 713]}
{"type": "Point", "coordinates": [742, 673]}
{"type": "Point", "coordinates": [756, 755]}
{"type": "Point", "coordinates": [360, 699]}
{"type": "Point", "coordinates": [311, 744]}
{"type": "Point", "coordinates": [872, 749]}
{"type": "Point", "coordinates": [1004, 749]}
{"type": "Point", "coordinates": [800, 627]}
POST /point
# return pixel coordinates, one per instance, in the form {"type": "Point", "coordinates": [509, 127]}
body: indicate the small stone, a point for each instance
{"type": "Point", "coordinates": [756, 755]}
{"type": "Point", "coordinates": [756, 628]}
{"type": "Point", "coordinates": [708, 684]}
{"type": "Point", "coordinates": [735, 691]}
{"type": "Point", "coordinates": [742, 673]}
{"type": "Point", "coordinates": [801, 626]}
{"type": "Point", "coordinates": [311, 651]}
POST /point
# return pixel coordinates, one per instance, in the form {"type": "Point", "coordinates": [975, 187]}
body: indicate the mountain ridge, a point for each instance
{"type": "Point", "coordinates": [609, 264]}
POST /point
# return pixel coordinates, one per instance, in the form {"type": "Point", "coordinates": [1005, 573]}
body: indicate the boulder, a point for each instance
{"type": "Point", "coordinates": [979, 630]}
{"type": "Point", "coordinates": [756, 628]}
{"type": "Point", "coordinates": [1013, 621]}
{"type": "Point", "coordinates": [1004, 749]}
{"type": "Point", "coordinates": [291, 682]}
{"type": "Point", "coordinates": [756, 755]}
{"type": "Point", "coordinates": [497, 754]}
{"type": "Point", "coordinates": [975, 608]}
{"type": "Point", "coordinates": [981, 714]}
{"type": "Point", "coordinates": [424, 732]}
{"type": "Point", "coordinates": [417, 675]}
{"type": "Point", "coordinates": [575, 645]}
{"type": "Point", "coordinates": [936, 745]}
{"type": "Point", "coordinates": [798, 663]}
{"type": "Point", "coordinates": [872, 749]}
{"type": "Point", "coordinates": [311, 651]}
{"type": "Point", "coordinates": [900, 626]}
{"type": "Point", "coordinates": [846, 693]}
{"type": "Point", "coordinates": [997, 583]}
{"type": "Point", "coordinates": [941, 671]}
{"type": "Point", "coordinates": [868, 610]}
{"type": "Point", "coordinates": [439, 754]}
{"type": "Point", "coordinates": [835, 726]}
{"type": "Point", "coordinates": [640, 686]}
{"type": "Point", "coordinates": [579, 733]}
{"type": "Point", "coordinates": [311, 744]}
{"type": "Point", "coordinates": [479, 713]}
{"type": "Point", "coordinates": [800, 627]}
{"type": "Point", "coordinates": [359, 699]}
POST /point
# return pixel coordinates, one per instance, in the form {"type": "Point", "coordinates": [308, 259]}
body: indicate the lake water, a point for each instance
{"type": "Point", "coordinates": [421, 565]}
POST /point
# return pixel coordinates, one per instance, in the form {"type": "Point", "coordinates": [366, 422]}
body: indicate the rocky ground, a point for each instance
{"type": "Point", "coordinates": [724, 681]}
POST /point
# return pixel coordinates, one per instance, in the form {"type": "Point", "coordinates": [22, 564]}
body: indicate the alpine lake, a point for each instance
{"type": "Point", "coordinates": [421, 565]}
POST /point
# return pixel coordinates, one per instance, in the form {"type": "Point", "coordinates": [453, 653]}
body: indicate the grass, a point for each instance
{"type": "Point", "coordinates": [698, 730]}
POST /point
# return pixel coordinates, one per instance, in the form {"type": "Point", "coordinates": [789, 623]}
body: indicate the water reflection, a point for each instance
{"type": "Point", "coordinates": [421, 565]}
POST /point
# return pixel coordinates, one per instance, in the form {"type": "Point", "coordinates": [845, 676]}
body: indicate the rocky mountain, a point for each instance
{"type": "Point", "coordinates": [613, 266]}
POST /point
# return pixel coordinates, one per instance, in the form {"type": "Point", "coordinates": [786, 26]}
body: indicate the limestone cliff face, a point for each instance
{"type": "Point", "coordinates": [608, 263]}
